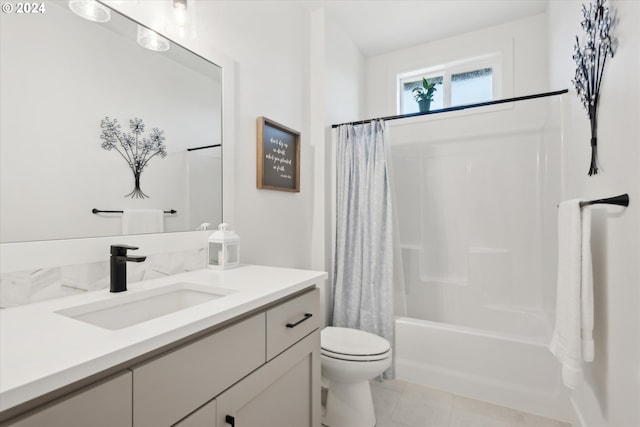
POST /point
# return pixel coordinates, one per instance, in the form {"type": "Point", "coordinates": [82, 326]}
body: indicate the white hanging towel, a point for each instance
{"type": "Point", "coordinates": [572, 339]}
{"type": "Point", "coordinates": [137, 221]}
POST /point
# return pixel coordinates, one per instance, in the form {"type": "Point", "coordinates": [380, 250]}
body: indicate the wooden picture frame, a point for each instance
{"type": "Point", "coordinates": [278, 157]}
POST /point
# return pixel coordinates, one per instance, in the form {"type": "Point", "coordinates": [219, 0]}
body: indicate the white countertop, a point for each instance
{"type": "Point", "coordinates": [41, 351]}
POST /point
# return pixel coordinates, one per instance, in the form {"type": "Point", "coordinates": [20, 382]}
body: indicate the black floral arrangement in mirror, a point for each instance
{"type": "Point", "coordinates": [135, 149]}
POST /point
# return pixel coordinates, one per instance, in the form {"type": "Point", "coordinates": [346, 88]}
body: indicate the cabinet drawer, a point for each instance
{"type": "Point", "coordinates": [173, 385]}
{"type": "Point", "coordinates": [291, 321]}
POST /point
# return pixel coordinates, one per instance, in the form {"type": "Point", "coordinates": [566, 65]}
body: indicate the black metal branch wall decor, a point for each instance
{"type": "Point", "coordinates": [135, 151]}
{"type": "Point", "coordinates": [590, 59]}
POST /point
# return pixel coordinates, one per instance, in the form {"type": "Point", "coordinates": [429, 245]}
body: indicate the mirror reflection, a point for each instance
{"type": "Point", "coordinates": [61, 76]}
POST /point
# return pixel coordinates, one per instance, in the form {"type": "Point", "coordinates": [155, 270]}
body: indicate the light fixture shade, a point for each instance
{"type": "Point", "coordinates": [181, 19]}
{"type": "Point", "coordinates": [180, 12]}
{"type": "Point", "coordinates": [151, 40]}
{"type": "Point", "coordinates": [91, 10]}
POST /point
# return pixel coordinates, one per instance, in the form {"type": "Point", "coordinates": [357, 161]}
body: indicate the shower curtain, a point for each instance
{"type": "Point", "coordinates": [363, 264]}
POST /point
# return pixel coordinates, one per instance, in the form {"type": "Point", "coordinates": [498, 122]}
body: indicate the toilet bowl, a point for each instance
{"type": "Point", "coordinates": [349, 359]}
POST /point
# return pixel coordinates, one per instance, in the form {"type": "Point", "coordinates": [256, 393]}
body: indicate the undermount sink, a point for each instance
{"type": "Point", "coordinates": [123, 311]}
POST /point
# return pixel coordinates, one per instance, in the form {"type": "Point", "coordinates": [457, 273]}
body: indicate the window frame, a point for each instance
{"type": "Point", "coordinates": [493, 61]}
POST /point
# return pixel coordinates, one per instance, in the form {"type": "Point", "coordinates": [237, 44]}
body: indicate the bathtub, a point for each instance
{"type": "Point", "coordinates": [482, 364]}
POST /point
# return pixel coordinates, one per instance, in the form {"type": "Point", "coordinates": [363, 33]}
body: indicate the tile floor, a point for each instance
{"type": "Point", "coordinates": [401, 404]}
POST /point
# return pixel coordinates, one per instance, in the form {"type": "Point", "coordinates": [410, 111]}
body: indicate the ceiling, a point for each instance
{"type": "Point", "coordinates": [380, 26]}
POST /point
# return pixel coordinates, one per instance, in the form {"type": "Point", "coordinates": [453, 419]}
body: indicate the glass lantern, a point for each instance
{"type": "Point", "coordinates": [224, 248]}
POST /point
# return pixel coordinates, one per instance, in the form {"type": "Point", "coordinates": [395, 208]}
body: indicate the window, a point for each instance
{"type": "Point", "coordinates": [462, 82]}
{"type": "Point", "coordinates": [472, 86]}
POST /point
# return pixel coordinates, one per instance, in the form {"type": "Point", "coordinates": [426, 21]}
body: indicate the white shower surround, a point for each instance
{"type": "Point", "coordinates": [477, 194]}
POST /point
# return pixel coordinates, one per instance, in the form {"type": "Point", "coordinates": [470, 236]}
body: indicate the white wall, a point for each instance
{"type": "Point", "coordinates": [612, 391]}
{"type": "Point", "coordinates": [345, 93]}
{"type": "Point", "coordinates": [521, 44]}
{"type": "Point", "coordinates": [269, 42]}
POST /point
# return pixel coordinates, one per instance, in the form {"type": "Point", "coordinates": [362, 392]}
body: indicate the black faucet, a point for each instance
{"type": "Point", "coordinates": [119, 260]}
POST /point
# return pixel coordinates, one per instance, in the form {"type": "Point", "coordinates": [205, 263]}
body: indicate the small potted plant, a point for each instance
{"type": "Point", "coordinates": [424, 95]}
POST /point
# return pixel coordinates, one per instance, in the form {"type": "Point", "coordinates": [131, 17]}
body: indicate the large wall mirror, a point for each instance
{"type": "Point", "coordinates": [61, 76]}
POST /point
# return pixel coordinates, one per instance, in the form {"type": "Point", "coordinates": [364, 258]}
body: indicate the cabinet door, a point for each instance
{"type": "Point", "coordinates": [167, 389]}
{"type": "Point", "coordinates": [105, 404]}
{"type": "Point", "coordinates": [203, 417]}
{"type": "Point", "coordinates": [284, 392]}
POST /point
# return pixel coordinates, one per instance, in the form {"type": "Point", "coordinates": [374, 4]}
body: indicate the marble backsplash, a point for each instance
{"type": "Point", "coordinates": [38, 284]}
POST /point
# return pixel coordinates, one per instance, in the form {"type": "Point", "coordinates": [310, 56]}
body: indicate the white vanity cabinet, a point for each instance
{"type": "Point", "coordinates": [258, 369]}
{"type": "Point", "coordinates": [168, 388]}
{"type": "Point", "coordinates": [286, 390]}
{"type": "Point", "coordinates": [263, 371]}
{"type": "Point", "coordinates": [278, 388]}
{"type": "Point", "coordinates": [203, 417]}
{"type": "Point", "coordinates": [104, 404]}
{"type": "Point", "coordinates": [283, 392]}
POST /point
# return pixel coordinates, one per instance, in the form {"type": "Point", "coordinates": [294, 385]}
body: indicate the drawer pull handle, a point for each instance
{"type": "Point", "coordinates": [293, 325]}
{"type": "Point", "coordinates": [230, 420]}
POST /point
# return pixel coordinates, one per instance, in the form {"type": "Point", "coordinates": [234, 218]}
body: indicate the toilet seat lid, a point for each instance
{"type": "Point", "coordinates": [347, 342]}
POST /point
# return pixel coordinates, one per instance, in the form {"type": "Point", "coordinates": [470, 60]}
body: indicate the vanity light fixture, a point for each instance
{"type": "Point", "coordinates": [181, 19]}
{"type": "Point", "coordinates": [91, 10]}
{"type": "Point", "coordinates": [151, 40]}
{"type": "Point", "coordinates": [180, 10]}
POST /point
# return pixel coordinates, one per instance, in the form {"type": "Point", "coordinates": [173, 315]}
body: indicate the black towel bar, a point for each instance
{"type": "Point", "coordinates": [621, 200]}
{"type": "Point", "coordinates": [97, 211]}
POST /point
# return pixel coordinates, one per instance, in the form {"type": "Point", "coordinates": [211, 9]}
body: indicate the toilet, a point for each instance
{"type": "Point", "coordinates": [349, 359]}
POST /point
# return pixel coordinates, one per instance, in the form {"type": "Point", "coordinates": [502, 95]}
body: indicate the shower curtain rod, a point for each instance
{"type": "Point", "coordinates": [458, 107]}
